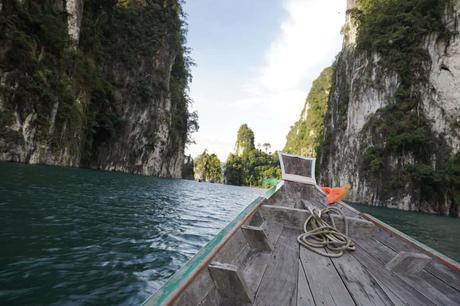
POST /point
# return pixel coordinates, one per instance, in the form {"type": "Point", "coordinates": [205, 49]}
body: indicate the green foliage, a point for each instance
{"type": "Point", "coordinates": [305, 136]}
{"type": "Point", "coordinates": [188, 168]}
{"type": "Point", "coordinates": [394, 29]}
{"type": "Point", "coordinates": [372, 161]}
{"type": "Point", "coordinates": [47, 71]}
{"type": "Point", "coordinates": [251, 167]}
{"type": "Point", "coordinates": [244, 139]}
{"type": "Point", "coordinates": [207, 168]}
{"type": "Point", "coordinates": [37, 59]}
{"type": "Point", "coordinates": [439, 183]}
{"type": "Point", "coordinates": [453, 179]}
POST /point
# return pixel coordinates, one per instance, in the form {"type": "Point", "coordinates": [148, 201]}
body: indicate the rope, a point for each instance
{"type": "Point", "coordinates": [324, 238]}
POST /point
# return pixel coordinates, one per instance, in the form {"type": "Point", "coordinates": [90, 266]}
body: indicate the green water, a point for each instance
{"type": "Point", "coordinates": [438, 232]}
{"type": "Point", "coordinates": [81, 237]}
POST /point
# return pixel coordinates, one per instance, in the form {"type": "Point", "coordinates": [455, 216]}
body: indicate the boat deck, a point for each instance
{"type": "Point", "coordinates": [297, 276]}
{"type": "Point", "coordinates": [259, 262]}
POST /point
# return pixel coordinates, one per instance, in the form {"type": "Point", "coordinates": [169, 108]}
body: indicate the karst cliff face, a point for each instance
{"type": "Point", "coordinates": [99, 84]}
{"type": "Point", "coordinates": [305, 135]}
{"type": "Point", "coordinates": [392, 127]}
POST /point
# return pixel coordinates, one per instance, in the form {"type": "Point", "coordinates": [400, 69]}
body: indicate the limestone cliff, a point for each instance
{"type": "Point", "coordinates": [392, 128]}
{"type": "Point", "coordinates": [244, 140]}
{"type": "Point", "coordinates": [305, 135]}
{"type": "Point", "coordinates": [99, 84]}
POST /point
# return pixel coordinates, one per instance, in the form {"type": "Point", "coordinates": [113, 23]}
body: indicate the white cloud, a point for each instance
{"type": "Point", "coordinates": [213, 145]}
{"type": "Point", "coordinates": [307, 42]}
{"type": "Point", "coordinates": [271, 100]}
{"type": "Point", "coordinates": [308, 37]}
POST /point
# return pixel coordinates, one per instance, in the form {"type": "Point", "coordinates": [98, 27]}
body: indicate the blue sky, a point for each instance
{"type": "Point", "coordinates": [256, 60]}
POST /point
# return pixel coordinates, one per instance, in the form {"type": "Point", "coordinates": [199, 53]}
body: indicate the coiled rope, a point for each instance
{"type": "Point", "coordinates": [323, 238]}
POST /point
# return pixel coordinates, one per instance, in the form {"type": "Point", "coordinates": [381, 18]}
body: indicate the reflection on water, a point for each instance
{"type": "Point", "coordinates": [75, 236]}
{"type": "Point", "coordinates": [438, 232]}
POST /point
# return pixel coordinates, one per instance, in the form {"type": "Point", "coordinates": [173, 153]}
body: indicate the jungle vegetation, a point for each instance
{"type": "Point", "coordinates": [251, 166]}
{"type": "Point", "coordinates": [207, 168]}
{"type": "Point", "coordinates": [306, 134]}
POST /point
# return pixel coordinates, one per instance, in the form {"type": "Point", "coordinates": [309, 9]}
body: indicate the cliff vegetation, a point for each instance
{"type": "Point", "coordinates": [393, 30]}
{"type": "Point", "coordinates": [306, 134]}
{"type": "Point", "coordinates": [208, 168]}
{"type": "Point", "coordinates": [390, 127]}
{"type": "Point", "coordinates": [251, 166]}
{"type": "Point", "coordinates": [100, 84]}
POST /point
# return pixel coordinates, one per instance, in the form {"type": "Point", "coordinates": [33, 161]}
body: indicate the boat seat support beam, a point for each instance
{"type": "Point", "coordinates": [257, 238]}
{"type": "Point", "coordinates": [230, 282]}
{"type": "Point", "coordinates": [408, 263]}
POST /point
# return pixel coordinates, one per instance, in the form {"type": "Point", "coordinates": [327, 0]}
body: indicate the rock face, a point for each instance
{"type": "Point", "coordinates": [393, 130]}
{"type": "Point", "coordinates": [305, 135]}
{"type": "Point", "coordinates": [244, 140]}
{"type": "Point", "coordinates": [94, 84]}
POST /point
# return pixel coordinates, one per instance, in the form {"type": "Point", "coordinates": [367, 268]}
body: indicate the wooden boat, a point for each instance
{"type": "Point", "coordinates": [256, 259]}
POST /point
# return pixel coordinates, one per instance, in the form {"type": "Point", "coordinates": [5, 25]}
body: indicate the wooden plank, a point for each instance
{"type": "Point", "coordinates": [253, 268]}
{"type": "Point", "coordinates": [256, 219]}
{"type": "Point", "coordinates": [434, 289]}
{"type": "Point", "coordinates": [273, 230]}
{"type": "Point", "coordinates": [327, 287]}
{"type": "Point", "coordinates": [257, 238]}
{"type": "Point", "coordinates": [280, 198]}
{"type": "Point", "coordinates": [211, 299]}
{"type": "Point", "coordinates": [425, 283]}
{"type": "Point", "coordinates": [232, 248]}
{"type": "Point", "coordinates": [453, 264]}
{"type": "Point", "coordinates": [408, 263]}
{"type": "Point", "coordinates": [284, 215]}
{"type": "Point", "coordinates": [279, 283]}
{"type": "Point", "coordinates": [357, 227]}
{"type": "Point", "coordinates": [378, 250]}
{"type": "Point", "coordinates": [442, 272]}
{"type": "Point", "coordinates": [304, 297]}
{"type": "Point", "coordinates": [360, 283]}
{"type": "Point", "coordinates": [198, 289]}
{"type": "Point", "coordinates": [230, 282]}
{"type": "Point", "coordinates": [398, 291]}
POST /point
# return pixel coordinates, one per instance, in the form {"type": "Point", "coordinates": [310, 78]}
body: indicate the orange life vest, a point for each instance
{"type": "Point", "coordinates": [336, 194]}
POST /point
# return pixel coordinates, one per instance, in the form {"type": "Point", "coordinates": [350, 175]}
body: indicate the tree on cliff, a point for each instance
{"type": "Point", "coordinates": [250, 166]}
{"type": "Point", "coordinates": [207, 168]}
{"type": "Point", "coordinates": [244, 139]}
{"type": "Point", "coordinates": [305, 136]}
{"type": "Point", "coordinates": [103, 83]}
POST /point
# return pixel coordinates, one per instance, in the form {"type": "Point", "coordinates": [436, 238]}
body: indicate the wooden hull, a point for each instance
{"type": "Point", "coordinates": [256, 260]}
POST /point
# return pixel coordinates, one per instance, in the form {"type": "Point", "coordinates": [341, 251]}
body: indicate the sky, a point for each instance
{"type": "Point", "coordinates": [255, 62]}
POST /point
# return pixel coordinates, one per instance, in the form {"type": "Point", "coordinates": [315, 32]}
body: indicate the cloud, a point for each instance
{"type": "Point", "coordinates": [307, 42]}
{"type": "Point", "coordinates": [213, 145]}
{"type": "Point", "coordinates": [308, 37]}
{"type": "Point", "coordinates": [270, 97]}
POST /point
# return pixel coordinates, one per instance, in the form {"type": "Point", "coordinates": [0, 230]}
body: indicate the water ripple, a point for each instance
{"type": "Point", "coordinates": [82, 237]}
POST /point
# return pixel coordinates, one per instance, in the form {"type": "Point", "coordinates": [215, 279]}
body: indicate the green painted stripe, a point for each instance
{"type": "Point", "coordinates": [414, 241]}
{"type": "Point", "coordinates": [181, 277]}
{"type": "Point", "coordinates": [268, 194]}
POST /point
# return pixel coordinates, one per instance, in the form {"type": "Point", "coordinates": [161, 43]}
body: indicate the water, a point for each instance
{"type": "Point", "coordinates": [439, 232]}
{"type": "Point", "coordinates": [74, 236]}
